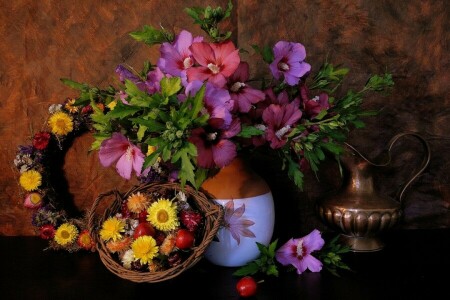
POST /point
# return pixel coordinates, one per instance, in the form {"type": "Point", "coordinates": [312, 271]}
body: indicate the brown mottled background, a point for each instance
{"type": "Point", "coordinates": [43, 41]}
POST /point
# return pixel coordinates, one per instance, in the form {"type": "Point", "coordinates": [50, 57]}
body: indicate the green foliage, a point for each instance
{"type": "Point", "coordinates": [265, 264]}
{"type": "Point", "coordinates": [331, 256]}
{"type": "Point", "coordinates": [266, 53]}
{"type": "Point", "coordinates": [152, 36]}
{"type": "Point", "coordinates": [209, 18]}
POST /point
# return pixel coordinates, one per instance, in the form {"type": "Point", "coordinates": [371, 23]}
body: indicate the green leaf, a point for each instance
{"type": "Point", "coordinates": [264, 264]}
{"type": "Point", "coordinates": [295, 174]}
{"type": "Point", "coordinates": [152, 125]}
{"type": "Point", "coordinates": [141, 131]}
{"type": "Point", "coordinates": [249, 131]}
{"type": "Point", "coordinates": [170, 86]}
{"type": "Point", "coordinates": [122, 111]}
{"type": "Point", "coordinates": [151, 36]}
{"type": "Point", "coordinates": [74, 84]}
{"type": "Point", "coordinates": [196, 102]}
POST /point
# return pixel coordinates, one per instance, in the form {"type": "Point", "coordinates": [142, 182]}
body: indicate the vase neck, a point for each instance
{"type": "Point", "coordinates": [236, 180]}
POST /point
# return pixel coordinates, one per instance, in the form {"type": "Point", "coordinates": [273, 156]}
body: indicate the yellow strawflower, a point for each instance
{"type": "Point", "coordinates": [112, 229]}
{"type": "Point", "coordinates": [163, 215]}
{"type": "Point", "coordinates": [30, 180]}
{"type": "Point", "coordinates": [60, 123]}
{"type": "Point", "coordinates": [144, 249]}
{"type": "Point", "coordinates": [66, 234]}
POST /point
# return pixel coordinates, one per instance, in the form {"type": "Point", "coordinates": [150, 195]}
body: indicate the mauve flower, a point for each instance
{"type": "Point", "coordinates": [313, 106]}
{"type": "Point", "coordinates": [128, 156]}
{"type": "Point", "coordinates": [279, 120]}
{"type": "Point", "coordinates": [217, 62]}
{"type": "Point", "coordinates": [176, 58]}
{"type": "Point", "coordinates": [289, 62]}
{"type": "Point", "coordinates": [214, 148]}
{"type": "Point", "coordinates": [244, 96]}
{"type": "Point", "coordinates": [297, 252]}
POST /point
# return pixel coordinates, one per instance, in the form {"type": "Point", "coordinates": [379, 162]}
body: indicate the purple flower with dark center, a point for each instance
{"type": "Point", "coordinates": [289, 62]}
{"type": "Point", "coordinates": [313, 106]}
{"type": "Point", "coordinates": [233, 221]}
{"type": "Point", "coordinates": [297, 252]}
{"type": "Point", "coordinates": [244, 96]}
{"type": "Point", "coordinates": [176, 58]}
{"type": "Point", "coordinates": [279, 120]}
{"type": "Point", "coordinates": [214, 148]}
{"type": "Point", "coordinates": [128, 156]}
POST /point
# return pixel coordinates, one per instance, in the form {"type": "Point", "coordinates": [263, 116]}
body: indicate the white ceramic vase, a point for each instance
{"type": "Point", "coordinates": [249, 215]}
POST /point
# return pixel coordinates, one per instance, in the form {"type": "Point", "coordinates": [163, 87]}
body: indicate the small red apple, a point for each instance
{"type": "Point", "coordinates": [185, 239]}
{"type": "Point", "coordinates": [247, 286]}
{"type": "Point", "coordinates": [144, 228]}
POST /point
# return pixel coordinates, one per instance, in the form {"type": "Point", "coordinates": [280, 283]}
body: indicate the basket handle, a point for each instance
{"type": "Point", "coordinates": [91, 212]}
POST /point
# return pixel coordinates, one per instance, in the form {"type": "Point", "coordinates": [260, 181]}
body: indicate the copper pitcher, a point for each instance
{"type": "Point", "coordinates": [357, 210]}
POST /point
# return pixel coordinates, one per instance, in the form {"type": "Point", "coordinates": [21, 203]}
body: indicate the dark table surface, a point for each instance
{"type": "Point", "coordinates": [415, 264]}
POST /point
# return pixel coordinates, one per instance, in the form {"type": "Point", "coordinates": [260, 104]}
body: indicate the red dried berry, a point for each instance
{"type": "Point", "coordinates": [191, 219]}
{"type": "Point", "coordinates": [124, 210]}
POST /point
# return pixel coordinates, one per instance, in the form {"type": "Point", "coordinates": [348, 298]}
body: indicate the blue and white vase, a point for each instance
{"type": "Point", "coordinates": [249, 214]}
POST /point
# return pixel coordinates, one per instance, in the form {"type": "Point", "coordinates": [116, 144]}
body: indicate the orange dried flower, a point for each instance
{"type": "Point", "coordinates": [168, 244]}
{"type": "Point", "coordinates": [120, 245]}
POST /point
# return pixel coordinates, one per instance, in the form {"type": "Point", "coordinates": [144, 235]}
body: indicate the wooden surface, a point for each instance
{"type": "Point", "coordinates": [413, 265]}
{"type": "Point", "coordinates": [43, 41]}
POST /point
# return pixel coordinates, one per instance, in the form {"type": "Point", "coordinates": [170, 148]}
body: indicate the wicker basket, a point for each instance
{"type": "Point", "coordinates": [212, 212]}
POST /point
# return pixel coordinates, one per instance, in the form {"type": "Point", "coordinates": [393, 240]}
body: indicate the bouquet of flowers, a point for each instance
{"type": "Point", "coordinates": [197, 107]}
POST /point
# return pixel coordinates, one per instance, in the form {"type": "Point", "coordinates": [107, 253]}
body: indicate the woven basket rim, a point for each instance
{"type": "Point", "coordinates": [212, 213]}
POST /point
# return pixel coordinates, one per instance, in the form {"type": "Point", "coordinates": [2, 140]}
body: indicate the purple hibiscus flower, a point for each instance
{"type": "Point", "coordinates": [297, 252]}
{"type": "Point", "coordinates": [244, 96]}
{"type": "Point", "coordinates": [289, 62]}
{"type": "Point", "coordinates": [176, 58]}
{"type": "Point", "coordinates": [128, 156]}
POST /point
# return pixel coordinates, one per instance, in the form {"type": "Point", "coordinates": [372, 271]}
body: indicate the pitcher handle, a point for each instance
{"type": "Point", "coordinates": [425, 161]}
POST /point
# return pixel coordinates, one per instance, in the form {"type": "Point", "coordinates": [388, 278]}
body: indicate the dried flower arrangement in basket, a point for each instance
{"type": "Point", "coordinates": [153, 232]}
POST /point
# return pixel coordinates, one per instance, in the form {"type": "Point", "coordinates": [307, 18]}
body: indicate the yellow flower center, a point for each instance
{"type": "Point", "coordinates": [65, 235]}
{"type": "Point", "coordinates": [162, 216]}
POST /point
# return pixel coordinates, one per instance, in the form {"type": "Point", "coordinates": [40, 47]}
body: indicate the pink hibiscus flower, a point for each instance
{"type": "Point", "coordinates": [128, 156]}
{"type": "Point", "coordinates": [297, 252]}
{"type": "Point", "coordinates": [280, 120]}
{"type": "Point", "coordinates": [217, 62]}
